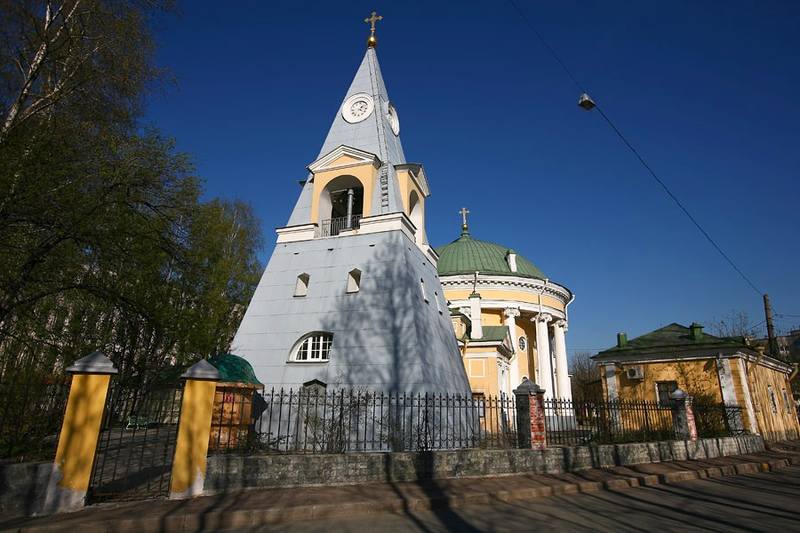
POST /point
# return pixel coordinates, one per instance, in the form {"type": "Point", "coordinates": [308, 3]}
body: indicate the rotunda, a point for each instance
{"type": "Point", "coordinates": [509, 318]}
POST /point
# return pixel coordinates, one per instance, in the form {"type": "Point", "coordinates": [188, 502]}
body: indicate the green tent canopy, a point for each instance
{"type": "Point", "coordinates": [234, 369]}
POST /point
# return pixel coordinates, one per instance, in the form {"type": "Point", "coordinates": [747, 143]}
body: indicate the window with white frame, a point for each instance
{"type": "Point", "coordinates": [301, 286]}
{"type": "Point", "coordinates": [313, 348]}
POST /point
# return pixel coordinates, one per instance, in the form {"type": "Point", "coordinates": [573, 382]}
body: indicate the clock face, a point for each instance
{"type": "Point", "coordinates": [357, 108]}
{"type": "Point", "coordinates": [394, 120]}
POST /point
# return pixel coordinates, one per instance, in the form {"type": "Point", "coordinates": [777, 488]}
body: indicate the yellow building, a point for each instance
{"type": "Point", "coordinates": [510, 319]}
{"type": "Point", "coordinates": [714, 370]}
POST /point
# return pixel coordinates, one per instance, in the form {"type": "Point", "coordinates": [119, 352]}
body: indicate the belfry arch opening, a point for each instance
{"type": "Point", "coordinates": [416, 216]}
{"type": "Point", "coordinates": [341, 205]}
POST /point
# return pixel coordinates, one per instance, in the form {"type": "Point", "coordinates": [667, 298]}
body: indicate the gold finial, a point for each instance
{"type": "Point", "coordinates": [372, 42]}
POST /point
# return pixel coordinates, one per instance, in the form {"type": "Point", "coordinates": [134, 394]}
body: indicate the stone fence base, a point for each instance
{"type": "Point", "coordinates": [233, 472]}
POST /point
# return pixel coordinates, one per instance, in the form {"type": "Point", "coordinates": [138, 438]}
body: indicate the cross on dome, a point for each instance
{"type": "Point", "coordinates": [372, 41]}
{"type": "Point", "coordinates": [464, 212]}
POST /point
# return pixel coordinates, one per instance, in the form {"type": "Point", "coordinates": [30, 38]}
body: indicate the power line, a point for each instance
{"type": "Point", "coordinates": [635, 152]}
{"type": "Point", "coordinates": [678, 202]}
{"type": "Point", "coordinates": [553, 53]}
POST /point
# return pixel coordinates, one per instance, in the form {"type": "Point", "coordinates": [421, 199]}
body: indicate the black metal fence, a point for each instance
{"type": "Point", "coordinates": [137, 443]}
{"type": "Point", "coordinates": [598, 422]}
{"type": "Point", "coordinates": [718, 420]}
{"type": "Point", "coordinates": [31, 413]}
{"type": "Point", "coordinates": [322, 421]}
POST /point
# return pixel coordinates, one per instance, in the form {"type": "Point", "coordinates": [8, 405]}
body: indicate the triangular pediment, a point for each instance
{"type": "Point", "coordinates": [344, 157]}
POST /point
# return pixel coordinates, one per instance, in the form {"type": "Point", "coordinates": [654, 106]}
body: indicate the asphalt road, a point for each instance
{"type": "Point", "coordinates": [753, 502]}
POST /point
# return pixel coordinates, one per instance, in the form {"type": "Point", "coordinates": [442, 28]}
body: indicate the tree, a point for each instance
{"type": "Point", "coordinates": [585, 378]}
{"type": "Point", "coordinates": [732, 324]}
{"type": "Point", "coordinates": [88, 57]}
{"type": "Point", "coordinates": [105, 242]}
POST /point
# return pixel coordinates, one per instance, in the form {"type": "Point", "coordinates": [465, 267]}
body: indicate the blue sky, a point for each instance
{"type": "Point", "coordinates": [708, 94]}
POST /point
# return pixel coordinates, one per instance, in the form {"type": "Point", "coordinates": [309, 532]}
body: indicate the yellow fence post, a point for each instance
{"type": "Point", "coordinates": [77, 442]}
{"type": "Point", "coordinates": [194, 430]}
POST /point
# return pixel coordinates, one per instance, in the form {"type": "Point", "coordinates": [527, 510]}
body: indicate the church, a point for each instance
{"type": "Point", "coordinates": [509, 318]}
{"type": "Point", "coordinates": [354, 296]}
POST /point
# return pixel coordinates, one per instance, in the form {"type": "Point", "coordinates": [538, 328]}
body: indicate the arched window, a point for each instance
{"type": "Point", "coordinates": [313, 348]}
{"type": "Point", "coordinates": [415, 214]}
{"type": "Point", "coordinates": [354, 280]}
{"type": "Point", "coordinates": [301, 285]}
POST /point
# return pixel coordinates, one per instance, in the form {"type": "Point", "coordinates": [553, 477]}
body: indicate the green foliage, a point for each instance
{"type": "Point", "coordinates": [105, 241]}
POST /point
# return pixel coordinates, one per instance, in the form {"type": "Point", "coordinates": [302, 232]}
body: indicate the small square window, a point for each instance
{"type": "Point", "coordinates": [353, 281]}
{"type": "Point", "coordinates": [301, 285]}
{"type": "Point", "coordinates": [664, 389]}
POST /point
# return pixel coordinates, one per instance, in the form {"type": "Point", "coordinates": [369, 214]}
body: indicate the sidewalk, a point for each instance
{"type": "Point", "coordinates": [273, 506]}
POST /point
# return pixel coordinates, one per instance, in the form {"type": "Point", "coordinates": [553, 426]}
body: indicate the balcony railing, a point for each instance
{"type": "Point", "coordinates": [333, 226]}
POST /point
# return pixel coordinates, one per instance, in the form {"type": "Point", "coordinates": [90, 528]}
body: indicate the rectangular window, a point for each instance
{"type": "Point", "coordinates": [786, 404]}
{"type": "Point", "coordinates": [772, 399]}
{"type": "Point", "coordinates": [479, 402]}
{"type": "Point", "coordinates": [664, 389]}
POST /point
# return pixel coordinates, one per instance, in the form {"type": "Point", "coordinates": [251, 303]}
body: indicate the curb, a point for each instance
{"type": "Point", "coordinates": [239, 518]}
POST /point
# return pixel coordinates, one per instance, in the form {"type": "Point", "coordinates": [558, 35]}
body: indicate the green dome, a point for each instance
{"type": "Point", "coordinates": [465, 255]}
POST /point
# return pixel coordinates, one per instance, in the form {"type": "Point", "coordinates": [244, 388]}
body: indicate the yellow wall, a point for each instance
{"type": "Point", "coordinates": [506, 295]}
{"type": "Point", "coordinates": [365, 173]}
{"type": "Point", "coordinates": [482, 371]}
{"type": "Point", "coordinates": [695, 377]}
{"type": "Point", "coordinates": [81, 429]}
{"type": "Point", "coordinates": [780, 425]}
{"type": "Point", "coordinates": [524, 361]}
{"type": "Point", "coordinates": [527, 361]}
{"type": "Point", "coordinates": [406, 185]}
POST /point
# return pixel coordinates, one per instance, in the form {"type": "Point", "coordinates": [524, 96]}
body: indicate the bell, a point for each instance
{"type": "Point", "coordinates": [586, 102]}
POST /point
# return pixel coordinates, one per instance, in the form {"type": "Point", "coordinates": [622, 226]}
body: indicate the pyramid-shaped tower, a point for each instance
{"type": "Point", "coordinates": [350, 296]}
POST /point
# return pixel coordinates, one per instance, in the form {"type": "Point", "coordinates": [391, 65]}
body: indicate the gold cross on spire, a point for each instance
{"type": "Point", "coordinates": [464, 212]}
{"type": "Point", "coordinates": [372, 42]}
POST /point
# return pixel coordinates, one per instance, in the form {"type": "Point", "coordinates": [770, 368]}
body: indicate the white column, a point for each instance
{"type": "Point", "coordinates": [475, 316]}
{"type": "Point", "coordinates": [511, 314]}
{"type": "Point", "coordinates": [543, 354]}
{"type": "Point", "coordinates": [563, 388]}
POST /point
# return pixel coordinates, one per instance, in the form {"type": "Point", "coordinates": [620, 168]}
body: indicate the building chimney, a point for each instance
{"type": "Point", "coordinates": [622, 339]}
{"type": "Point", "coordinates": [511, 259]}
{"type": "Point", "coordinates": [696, 331]}
{"type": "Point", "coordinates": [475, 315]}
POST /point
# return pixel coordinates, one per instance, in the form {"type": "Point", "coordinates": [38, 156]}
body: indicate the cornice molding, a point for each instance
{"type": "Point", "coordinates": [417, 173]}
{"type": "Point", "coordinates": [525, 307]}
{"type": "Point", "coordinates": [531, 285]}
{"type": "Point", "coordinates": [769, 363]}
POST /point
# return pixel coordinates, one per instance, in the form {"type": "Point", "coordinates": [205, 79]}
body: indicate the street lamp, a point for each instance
{"type": "Point", "coordinates": [586, 102]}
